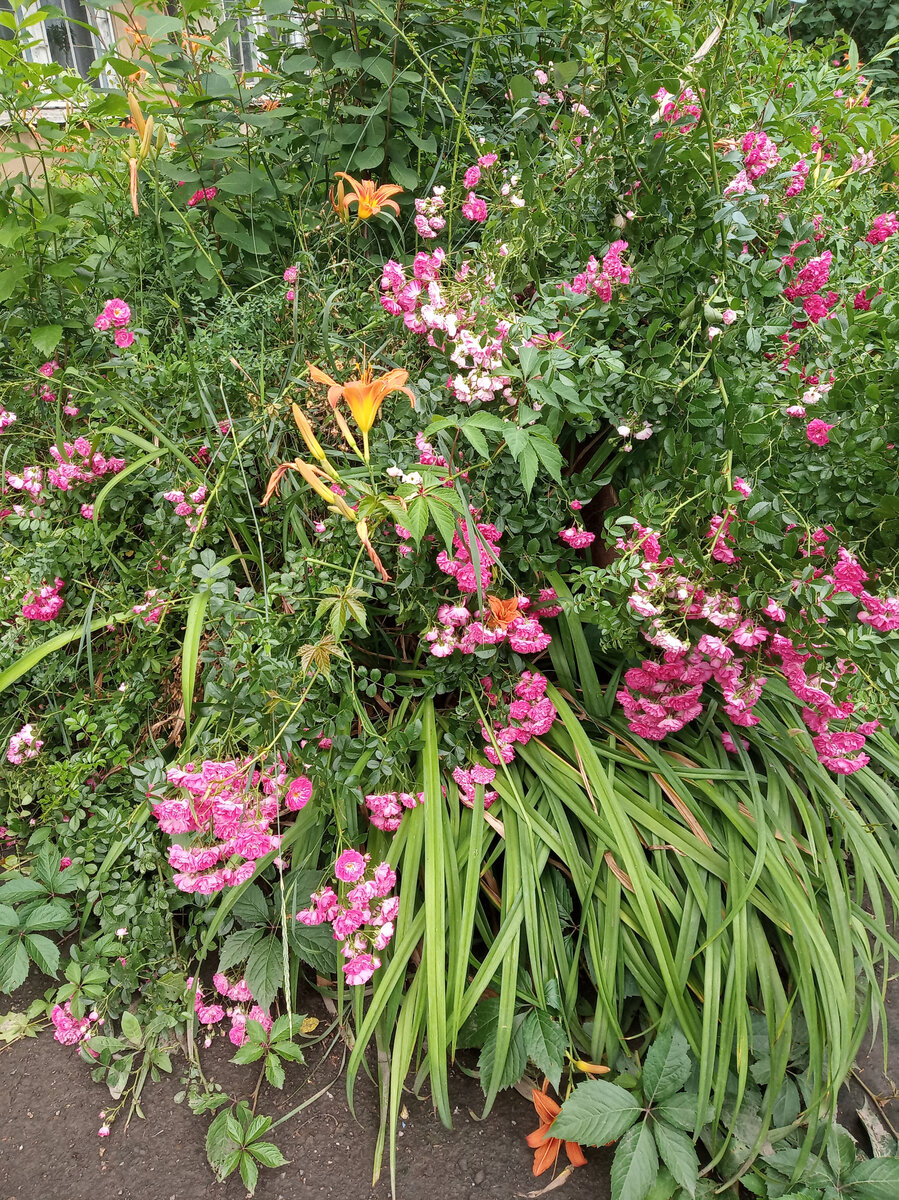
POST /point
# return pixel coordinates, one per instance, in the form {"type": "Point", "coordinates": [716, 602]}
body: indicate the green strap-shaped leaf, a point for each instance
{"type": "Point", "coordinates": [190, 648]}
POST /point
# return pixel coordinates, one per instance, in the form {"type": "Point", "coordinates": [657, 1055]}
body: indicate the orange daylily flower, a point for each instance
{"type": "Point", "coordinates": [364, 396]}
{"type": "Point", "coordinates": [368, 196]}
{"type": "Point", "coordinates": [502, 612]}
{"type": "Point", "coordinates": [546, 1148]}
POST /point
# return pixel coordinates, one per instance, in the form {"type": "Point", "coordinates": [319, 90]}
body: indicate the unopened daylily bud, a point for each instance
{"type": "Point", "coordinates": [589, 1068]}
{"type": "Point", "coordinates": [145, 139]}
{"type": "Point", "coordinates": [306, 432]}
{"type": "Point", "coordinates": [136, 115]}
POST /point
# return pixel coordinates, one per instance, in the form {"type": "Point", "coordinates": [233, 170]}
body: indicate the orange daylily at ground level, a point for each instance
{"type": "Point", "coordinates": [368, 197]}
{"type": "Point", "coordinates": [546, 1148]}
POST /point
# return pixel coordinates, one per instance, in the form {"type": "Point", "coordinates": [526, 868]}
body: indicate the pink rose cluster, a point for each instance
{"type": "Point", "coordinates": [76, 463]}
{"type": "Point", "coordinates": [530, 712]}
{"type": "Point", "coordinates": [468, 779]}
{"type": "Point", "coordinates": [759, 156]}
{"type": "Point", "coordinates": [191, 507]}
{"type": "Point", "coordinates": [474, 208]}
{"type": "Point", "coordinates": [45, 392]}
{"type": "Point", "coordinates": [231, 805]}
{"type": "Point", "coordinates": [201, 194]}
{"type": "Point", "coordinates": [577, 537]}
{"type": "Point", "coordinates": [798, 177]}
{"type": "Point", "coordinates": [116, 315]}
{"type": "Point", "coordinates": [386, 811]}
{"type": "Point", "coordinates": [429, 218]}
{"type": "Point", "coordinates": [461, 566]}
{"type": "Point", "coordinates": [460, 325]}
{"type": "Point", "coordinates": [68, 1029]}
{"type": "Point", "coordinates": [91, 467]}
{"type": "Point", "coordinates": [150, 611]}
{"type": "Point", "coordinates": [885, 226]}
{"type": "Point", "coordinates": [462, 630]}
{"type": "Point", "coordinates": [807, 287]}
{"type": "Point", "coordinates": [365, 922]}
{"type": "Point", "coordinates": [660, 698]}
{"type": "Point", "coordinates": [675, 109]}
{"type": "Point", "coordinates": [600, 281]}
{"type": "Point", "coordinates": [239, 993]}
{"type": "Point", "coordinates": [23, 745]}
{"type": "Point", "coordinates": [45, 604]}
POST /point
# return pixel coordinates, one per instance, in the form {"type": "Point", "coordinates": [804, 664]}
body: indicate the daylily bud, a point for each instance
{"type": "Point", "coordinates": [145, 140]}
{"type": "Point", "coordinates": [306, 432]}
{"type": "Point", "coordinates": [136, 115]}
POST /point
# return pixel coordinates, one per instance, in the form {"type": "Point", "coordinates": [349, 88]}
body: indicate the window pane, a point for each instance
{"type": "Point", "coordinates": [70, 45]}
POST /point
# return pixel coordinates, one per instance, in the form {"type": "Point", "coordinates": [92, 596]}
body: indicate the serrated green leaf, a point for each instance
{"type": "Point", "coordinates": [667, 1066]}
{"type": "Point", "coordinates": [46, 338]}
{"type": "Point", "coordinates": [876, 1179]}
{"type": "Point", "coordinates": [268, 1154]}
{"type": "Point", "coordinates": [55, 915]}
{"type": "Point", "coordinates": [546, 1044]}
{"type": "Point", "coordinates": [265, 971]}
{"type": "Point", "coordinates": [42, 952]}
{"type": "Point", "coordinates": [515, 1062]}
{"type": "Point", "coordinates": [678, 1154]}
{"type": "Point", "coordinates": [20, 888]}
{"type": "Point", "coordinates": [237, 946]}
{"type": "Point", "coordinates": [249, 1052]}
{"type": "Point", "coordinates": [249, 1173]}
{"type": "Point", "coordinates": [445, 520]}
{"type": "Point", "coordinates": [635, 1165]}
{"type": "Point", "coordinates": [274, 1071]}
{"type": "Point", "coordinates": [131, 1028]}
{"type": "Point", "coordinates": [251, 907]}
{"type": "Point", "coordinates": [13, 966]}
{"type": "Point", "coordinates": [595, 1113]}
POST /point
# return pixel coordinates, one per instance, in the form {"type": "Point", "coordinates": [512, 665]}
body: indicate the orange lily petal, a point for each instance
{"type": "Point", "coordinates": [547, 1108]}
{"type": "Point", "coordinates": [537, 1137]}
{"type": "Point", "coordinates": [276, 477]}
{"type": "Point", "coordinates": [575, 1154]}
{"type": "Point", "coordinates": [546, 1156]}
{"type": "Point", "coordinates": [354, 183]}
{"type": "Point", "coordinates": [335, 389]}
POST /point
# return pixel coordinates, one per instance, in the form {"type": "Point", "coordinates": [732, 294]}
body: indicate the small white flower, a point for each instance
{"type": "Point", "coordinates": [395, 472]}
{"type": "Point", "coordinates": [123, 932]}
{"type": "Point", "coordinates": [624, 430]}
{"type": "Point", "coordinates": [413, 477]}
{"type": "Point", "coordinates": [713, 332]}
{"type": "Point", "coordinates": [642, 434]}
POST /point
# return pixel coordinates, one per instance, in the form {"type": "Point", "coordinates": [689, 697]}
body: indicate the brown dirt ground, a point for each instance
{"type": "Point", "coordinates": [49, 1150]}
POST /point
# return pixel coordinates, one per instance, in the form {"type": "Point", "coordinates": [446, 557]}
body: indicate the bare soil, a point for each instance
{"type": "Point", "coordinates": [49, 1149]}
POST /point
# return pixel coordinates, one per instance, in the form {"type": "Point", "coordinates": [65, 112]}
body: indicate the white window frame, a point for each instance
{"type": "Point", "coordinates": [254, 25]}
{"type": "Point", "coordinates": [40, 52]}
